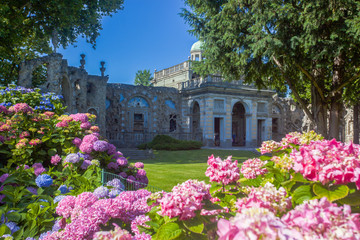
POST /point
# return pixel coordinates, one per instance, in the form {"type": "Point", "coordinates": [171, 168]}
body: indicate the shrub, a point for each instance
{"type": "Point", "coordinates": [164, 142]}
{"type": "Point", "coordinates": [46, 156]}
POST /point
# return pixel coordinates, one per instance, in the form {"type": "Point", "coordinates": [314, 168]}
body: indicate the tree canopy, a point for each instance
{"type": "Point", "coordinates": [310, 46]}
{"type": "Point", "coordinates": [29, 26]}
{"type": "Point", "coordinates": [143, 77]}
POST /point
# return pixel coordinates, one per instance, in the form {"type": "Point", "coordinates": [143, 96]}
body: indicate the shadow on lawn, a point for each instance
{"type": "Point", "coordinates": [197, 156]}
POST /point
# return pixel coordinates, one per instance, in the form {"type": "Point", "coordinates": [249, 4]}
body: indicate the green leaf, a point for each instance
{"type": "Point", "coordinates": [332, 193]}
{"type": "Point", "coordinates": [169, 231]}
{"type": "Point", "coordinates": [52, 151]}
{"type": "Point", "coordinates": [195, 225]}
{"type": "Point", "coordinates": [265, 158]}
{"type": "Point", "coordinates": [4, 230]}
{"type": "Point", "coordinates": [353, 199]}
{"type": "Point", "coordinates": [298, 177]}
{"type": "Point", "coordinates": [302, 194]}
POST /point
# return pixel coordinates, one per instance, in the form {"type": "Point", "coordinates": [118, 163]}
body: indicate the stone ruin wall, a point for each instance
{"type": "Point", "coordinates": [82, 92]}
{"type": "Point", "coordinates": [155, 104]}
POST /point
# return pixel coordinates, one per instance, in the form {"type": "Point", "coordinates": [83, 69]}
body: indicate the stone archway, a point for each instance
{"type": "Point", "coordinates": [238, 125]}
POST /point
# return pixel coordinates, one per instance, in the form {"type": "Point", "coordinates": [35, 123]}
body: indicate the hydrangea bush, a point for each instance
{"type": "Point", "coordinates": [46, 157]}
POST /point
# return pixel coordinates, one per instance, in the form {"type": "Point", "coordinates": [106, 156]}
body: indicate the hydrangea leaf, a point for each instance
{"type": "Point", "coordinates": [302, 194]}
{"type": "Point", "coordinates": [168, 231]}
{"type": "Point", "coordinates": [353, 199]}
{"type": "Point", "coordinates": [4, 230]}
{"type": "Point", "coordinates": [332, 193]}
{"type": "Point", "coordinates": [195, 225]}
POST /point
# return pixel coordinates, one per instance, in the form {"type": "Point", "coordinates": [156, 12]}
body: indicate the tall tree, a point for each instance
{"type": "Point", "coordinates": [28, 27]}
{"type": "Point", "coordinates": [312, 46]}
{"type": "Point", "coordinates": [143, 77]}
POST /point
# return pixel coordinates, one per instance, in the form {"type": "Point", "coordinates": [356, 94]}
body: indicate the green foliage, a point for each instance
{"type": "Point", "coordinates": [164, 142]}
{"type": "Point", "coordinates": [28, 27]}
{"type": "Point", "coordinates": [143, 77]}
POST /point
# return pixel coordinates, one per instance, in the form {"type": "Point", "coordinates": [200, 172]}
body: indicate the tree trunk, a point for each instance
{"type": "Point", "coordinates": [319, 107]}
{"type": "Point", "coordinates": [335, 117]}
{"type": "Point", "coordinates": [319, 110]}
{"type": "Point", "coordinates": [336, 103]}
{"type": "Point", "coordinates": [356, 123]}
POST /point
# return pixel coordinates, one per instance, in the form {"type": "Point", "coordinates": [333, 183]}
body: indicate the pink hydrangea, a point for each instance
{"type": "Point", "coordinates": [265, 197]}
{"type": "Point", "coordinates": [35, 142]}
{"type": "Point", "coordinates": [269, 146]}
{"type": "Point", "coordinates": [24, 134]}
{"type": "Point", "coordinates": [122, 161]}
{"type": "Point", "coordinates": [66, 206]}
{"type": "Point", "coordinates": [38, 168]}
{"type": "Point", "coordinates": [95, 128]}
{"type": "Point", "coordinates": [139, 165]}
{"type": "Point", "coordinates": [328, 161]}
{"type": "Point", "coordinates": [62, 124]}
{"type": "Point", "coordinates": [21, 108]}
{"type": "Point", "coordinates": [252, 168]}
{"type": "Point", "coordinates": [3, 109]}
{"type": "Point", "coordinates": [77, 142]}
{"type": "Point", "coordinates": [86, 147]}
{"type": "Point", "coordinates": [320, 219]}
{"type": "Point", "coordinates": [85, 199]}
{"type": "Point", "coordinates": [224, 172]}
{"type": "Point", "coordinates": [255, 223]}
{"type": "Point", "coordinates": [90, 138]}
{"type": "Point", "coordinates": [80, 117]}
{"type": "Point", "coordinates": [85, 125]}
{"type": "Point", "coordinates": [55, 159]}
{"type": "Point", "coordinates": [117, 233]}
{"type": "Point", "coordinates": [139, 221]}
{"type": "Point", "coordinates": [184, 199]}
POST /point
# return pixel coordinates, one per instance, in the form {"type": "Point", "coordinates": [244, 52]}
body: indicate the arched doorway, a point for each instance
{"type": "Point", "coordinates": [196, 118]}
{"type": "Point", "coordinates": [238, 125]}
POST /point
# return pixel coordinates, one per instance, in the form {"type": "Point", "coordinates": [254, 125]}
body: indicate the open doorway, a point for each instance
{"type": "Point", "coordinates": [238, 125]}
{"type": "Point", "coordinates": [217, 130]}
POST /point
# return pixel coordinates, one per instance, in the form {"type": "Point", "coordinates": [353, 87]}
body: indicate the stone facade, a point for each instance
{"type": "Point", "coordinates": [180, 104]}
{"type": "Point", "coordinates": [82, 92]}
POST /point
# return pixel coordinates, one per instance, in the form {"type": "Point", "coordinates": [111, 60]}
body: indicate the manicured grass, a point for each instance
{"type": "Point", "coordinates": [169, 168]}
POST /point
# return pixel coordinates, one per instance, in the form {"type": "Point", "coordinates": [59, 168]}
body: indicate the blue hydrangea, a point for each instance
{"type": "Point", "coordinates": [13, 227]}
{"type": "Point", "coordinates": [30, 238]}
{"type": "Point", "coordinates": [56, 227]}
{"type": "Point", "coordinates": [43, 180]}
{"type": "Point", "coordinates": [116, 183]}
{"type": "Point", "coordinates": [72, 157]}
{"type": "Point", "coordinates": [101, 192]}
{"type": "Point", "coordinates": [59, 198]}
{"type": "Point", "coordinates": [114, 192]}
{"type": "Point", "coordinates": [63, 189]}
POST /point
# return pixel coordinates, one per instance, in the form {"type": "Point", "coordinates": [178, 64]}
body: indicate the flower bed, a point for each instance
{"type": "Point", "coordinates": [47, 156]}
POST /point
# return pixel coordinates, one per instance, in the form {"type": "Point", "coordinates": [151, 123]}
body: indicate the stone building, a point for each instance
{"type": "Point", "coordinates": [180, 104]}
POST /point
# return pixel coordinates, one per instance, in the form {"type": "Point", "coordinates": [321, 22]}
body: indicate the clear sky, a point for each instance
{"type": "Point", "coordinates": [146, 34]}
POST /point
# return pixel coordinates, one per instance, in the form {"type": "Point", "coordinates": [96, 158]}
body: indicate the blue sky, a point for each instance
{"type": "Point", "coordinates": [145, 35]}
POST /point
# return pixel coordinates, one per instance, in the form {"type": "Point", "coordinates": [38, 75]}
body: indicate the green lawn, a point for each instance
{"type": "Point", "coordinates": [169, 168]}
